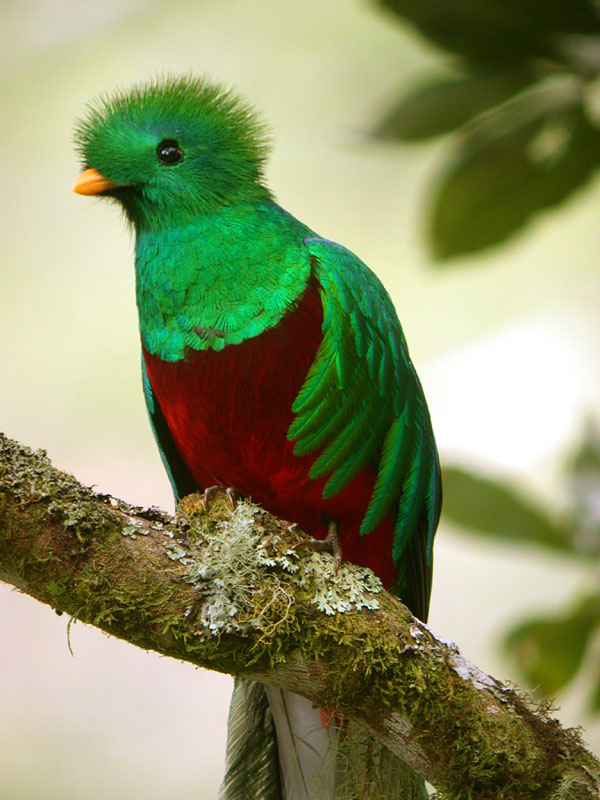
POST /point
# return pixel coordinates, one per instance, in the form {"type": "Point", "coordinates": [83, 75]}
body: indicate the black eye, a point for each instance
{"type": "Point", "coordinates": [169, 152]}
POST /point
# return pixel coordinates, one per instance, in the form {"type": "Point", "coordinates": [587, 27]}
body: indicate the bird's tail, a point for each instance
{"type": "Point", "coordinates": [307, 743]}
{"type": "Point", "coordinates": [252, 760]}
{"type": "Point", "coordinates": [279, 747]}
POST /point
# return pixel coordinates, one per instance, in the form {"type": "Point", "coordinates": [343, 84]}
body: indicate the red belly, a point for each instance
{"type": "Point", "coordinates": [229, 412]}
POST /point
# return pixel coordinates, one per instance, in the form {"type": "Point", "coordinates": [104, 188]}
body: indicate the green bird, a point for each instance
{"type": "Point", "coordinates": [274, 365]}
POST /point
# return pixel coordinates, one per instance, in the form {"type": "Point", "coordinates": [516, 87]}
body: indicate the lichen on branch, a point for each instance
{"type": "Point", "coordinates": [229, 591]}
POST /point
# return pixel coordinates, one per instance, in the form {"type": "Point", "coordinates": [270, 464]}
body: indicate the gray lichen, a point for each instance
{"type": "Point", "coordinates": [229, 568]}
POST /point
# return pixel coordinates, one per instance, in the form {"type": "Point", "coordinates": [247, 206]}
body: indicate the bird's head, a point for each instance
{"type": "Point", "coordinates": [172, 149]}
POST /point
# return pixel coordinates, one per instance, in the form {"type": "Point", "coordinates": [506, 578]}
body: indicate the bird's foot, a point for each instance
{"type": "Point", "coordinates": [198, 502]}
{"type": "Point", "coordinates": [330, 544]}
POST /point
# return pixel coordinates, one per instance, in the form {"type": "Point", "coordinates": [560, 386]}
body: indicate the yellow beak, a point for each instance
{"type": "Point", "coordinates": [92, 182]}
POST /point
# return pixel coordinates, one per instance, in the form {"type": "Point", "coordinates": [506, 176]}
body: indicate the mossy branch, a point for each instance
{"type": "Point", "coordinates": [226, 591]}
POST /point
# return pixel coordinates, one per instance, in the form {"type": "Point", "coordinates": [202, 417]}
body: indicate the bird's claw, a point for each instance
{"type": "Point", "coordinates": [330, 544]}
{"type": "Point", "coordinates": [198, 502]}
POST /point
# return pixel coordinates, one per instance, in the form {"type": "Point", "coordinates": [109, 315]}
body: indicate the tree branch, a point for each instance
{"type": "Point", "coordinates": [227, 591]}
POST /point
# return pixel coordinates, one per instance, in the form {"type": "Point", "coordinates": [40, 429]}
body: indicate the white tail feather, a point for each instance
{"type": "Point", "coordinates": [307, 748]}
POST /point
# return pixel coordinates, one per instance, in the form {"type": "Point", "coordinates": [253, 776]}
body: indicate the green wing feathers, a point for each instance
{"type": "Point", "coordinates": [362, 402]}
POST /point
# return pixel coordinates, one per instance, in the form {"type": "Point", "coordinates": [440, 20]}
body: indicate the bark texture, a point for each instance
{"type": "Point", "coordinates": [227, 591]}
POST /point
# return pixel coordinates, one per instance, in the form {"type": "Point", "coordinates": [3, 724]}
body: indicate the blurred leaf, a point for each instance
{"type": "Point", "coordinates": [496, 510]}
{"type": "Point", "coordinates": [498, 31]}
{"type": "Point", "coordinates": [527, 155]}
{"type": "Point", "coordinates": [594, 703]}
{"type": "Point", "coordinates": [587, 457]}
{"type": "Point", "coordinates": [549, 651]}
{"type": "Point", "coordinates": [442, 106]}
{"type": "Point", "coordinates": [583, 469]}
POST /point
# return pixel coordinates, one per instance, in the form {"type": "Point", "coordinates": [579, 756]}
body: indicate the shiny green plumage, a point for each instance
{"type": "Point", "coordinates": [218, 265]}
{"type": "Point", "coordinates": [226, 148]}
{"type": "Point", "coordinates": [338, 413]}
{"type": "Point", "coordinates": [220, 279]}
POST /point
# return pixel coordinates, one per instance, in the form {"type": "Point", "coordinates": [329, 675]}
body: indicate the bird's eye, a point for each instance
{"type": "Point", "coordinates": [169, 152]}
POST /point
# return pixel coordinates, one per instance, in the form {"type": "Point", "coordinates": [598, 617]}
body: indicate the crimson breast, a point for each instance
{"type": "Point", "coordinates": [229, 412]}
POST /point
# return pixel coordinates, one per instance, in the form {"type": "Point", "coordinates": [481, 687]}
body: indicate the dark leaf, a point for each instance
{"type": "Point", "coordinates": [495, 510]}
{"type": "Point", "coordinates": [525, 156]}
{"type": "Point", "coordinates": [499, 31]}
{"type": "Point", "coordinates": [445, 105]}
{"type": "Point", "coordinates": [549, 650]}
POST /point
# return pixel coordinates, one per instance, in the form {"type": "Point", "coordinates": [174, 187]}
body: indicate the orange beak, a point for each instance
{"type": "Point", "coordinates": [92, 182]}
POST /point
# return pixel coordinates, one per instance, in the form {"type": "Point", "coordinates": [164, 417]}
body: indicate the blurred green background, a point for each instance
{"type": "Point", "coordinates": [505, 340]}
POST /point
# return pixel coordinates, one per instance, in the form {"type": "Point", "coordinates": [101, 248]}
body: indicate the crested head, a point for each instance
{"type": "Point", "coordinates": [175, 148]}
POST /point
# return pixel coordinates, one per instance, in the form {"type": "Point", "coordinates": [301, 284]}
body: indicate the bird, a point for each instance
{"type": "Point", "coordinates": [273, 365]}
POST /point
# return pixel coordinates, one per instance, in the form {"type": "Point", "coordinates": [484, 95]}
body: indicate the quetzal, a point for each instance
{"type": "Point", "coordinates": [273, 363]}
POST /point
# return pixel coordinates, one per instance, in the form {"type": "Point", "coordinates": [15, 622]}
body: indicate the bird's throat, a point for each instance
{"type": "Point", "coordinates": [217, 281]}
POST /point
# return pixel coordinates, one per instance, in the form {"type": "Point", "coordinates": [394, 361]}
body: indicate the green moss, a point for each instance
{"type": "Point", "coordinates": [408, 672]}
{"type": "Point", "coordinates": [244, 600]}
{"type": "Point", "coordinates": [82, 556]}
{"type": "Point", "coordinates": [371, 771]}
